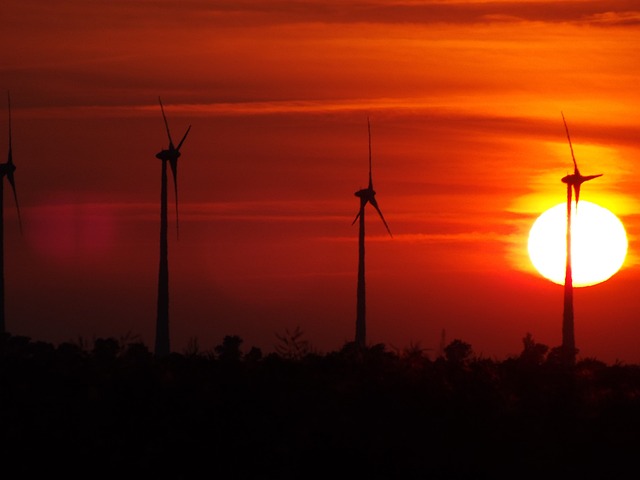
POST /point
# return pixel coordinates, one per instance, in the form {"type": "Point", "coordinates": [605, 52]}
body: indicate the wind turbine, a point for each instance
{"type": "Point", "coordinates": [169, 155]}
{"type": "Point", "coordinates": [573, 181]}
{"type": "Point", "coordinates": [6, 170]}
{"type": "Point", "coordinates": [366, 195]}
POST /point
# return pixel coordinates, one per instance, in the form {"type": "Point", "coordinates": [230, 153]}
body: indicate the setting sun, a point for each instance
{"type": "Point", "coordinates": [599, 244]}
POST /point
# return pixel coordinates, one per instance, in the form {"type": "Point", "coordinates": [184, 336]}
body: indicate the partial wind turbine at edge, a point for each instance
{"type": "Point", "coordinates": [10, 167]}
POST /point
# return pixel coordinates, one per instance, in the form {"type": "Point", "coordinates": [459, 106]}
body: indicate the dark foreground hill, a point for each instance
{"type": "Point", "coordinates": [116, 411]}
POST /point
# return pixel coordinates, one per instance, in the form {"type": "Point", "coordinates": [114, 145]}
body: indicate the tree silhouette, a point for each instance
{"type": "Point", "coordinates": [533, 353]}
{"type": "Point", "coordinates": [458, 352]}
{"type": "Point", "coordinates": [291, 344]}
{"type": "Point", "coordinates": [229, 351]}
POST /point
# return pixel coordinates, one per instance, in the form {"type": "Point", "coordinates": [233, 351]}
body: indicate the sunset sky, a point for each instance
{"type": "Point", "coordinates": [465, 102]}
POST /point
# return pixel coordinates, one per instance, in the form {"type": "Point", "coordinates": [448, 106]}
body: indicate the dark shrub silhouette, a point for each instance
{"type": "Point", "coordinates": [292, 345]}
{"type": "Point", "coordinates": [533, 353]}
{"type": "Point", "coordinates": [229, 351]}
{"type": "Point", "coordinates": [458, 352]}
{"type": "Point", "coordinates": [121, 412]}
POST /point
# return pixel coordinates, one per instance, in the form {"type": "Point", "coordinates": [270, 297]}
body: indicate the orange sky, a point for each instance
{"type": "Point", "coordinates": [468, 148]}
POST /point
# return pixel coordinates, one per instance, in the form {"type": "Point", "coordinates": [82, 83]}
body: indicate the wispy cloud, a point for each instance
{"type": "Point", "coordinates": [623, 12]}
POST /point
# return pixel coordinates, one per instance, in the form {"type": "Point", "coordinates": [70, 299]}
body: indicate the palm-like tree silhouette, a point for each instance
{"type": "Point", "coordinates": [169, 155]}
{"type": "Point", "coordinates": [366, 195]}
{"type": "Point", "coordinates": [6, 170]}
{"type": "Point", "coordinates": [573, 181]}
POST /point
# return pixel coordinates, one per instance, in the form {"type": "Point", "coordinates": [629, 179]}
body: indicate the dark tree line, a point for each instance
{"type": "Point", "coordinates": [114, 410]}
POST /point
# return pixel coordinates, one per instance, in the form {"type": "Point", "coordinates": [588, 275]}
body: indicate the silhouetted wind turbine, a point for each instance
{"type": "Point", "coordinates": [171, 156]}
{"type": "Point", "coordinates": [6, 170]}
{"type": "Point", "coordinates": [367, 195]}
{"type": "Point", "coordinates": [573, 181]}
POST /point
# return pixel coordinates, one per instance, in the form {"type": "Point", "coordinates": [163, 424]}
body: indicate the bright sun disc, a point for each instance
{"type": "Point", "coordinates": [599, 244]}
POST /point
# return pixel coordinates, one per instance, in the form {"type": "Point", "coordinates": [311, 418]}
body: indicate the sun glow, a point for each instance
{"type": "Point", "coordinates": [598, 238]}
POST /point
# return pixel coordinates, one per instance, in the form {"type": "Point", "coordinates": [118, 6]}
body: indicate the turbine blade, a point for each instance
{"type": "Point", "coordinates": [370, 177]}
{"type": "Point", "coordinates": [174, 170]}
{"type": "Point", "coordinates": [10, 159]}
{"type": "Point", "coordinates": [363, 202]}
{"type": "Point", "coordinates": [576, 187]}
{"type": "Point", "coordinates": [183, 138]}
{"type": "Point", "coordinates": [375, 205]}
{"type": "Point", "coordinates": [12, 182]}
{"type": "Point", "coordinates": [575, 165]}
{"type": "Point", "coordinates": [166, 124]}
{"type": "Point", "coordinates": [590, 177]}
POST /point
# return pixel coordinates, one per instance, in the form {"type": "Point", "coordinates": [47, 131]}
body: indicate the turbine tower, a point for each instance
{"type": "Point", "coordinates": [573, 181]}
{"type": "Point", "coordinates": [169, 155]}
{"type": "Point", "coordinates": [366, 195]}
{"type": "Point", "coordinates": [6, 170]}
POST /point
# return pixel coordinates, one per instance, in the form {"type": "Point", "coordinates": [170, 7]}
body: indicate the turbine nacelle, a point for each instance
{"type": "Point", "coordinates": [577, 179]}
{"type": "Point", "coordinates": [365, 193]}
{"type": "Point", "coordinates": [168, 155]}
{"type": "Point", "coordinates": [7, 169]}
